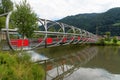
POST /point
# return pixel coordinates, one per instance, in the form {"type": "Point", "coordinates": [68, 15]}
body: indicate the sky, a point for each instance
{"type": "Point", "coordinates": [57, 9]}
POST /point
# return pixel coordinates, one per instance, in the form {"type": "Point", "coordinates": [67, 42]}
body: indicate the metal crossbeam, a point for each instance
{"type": "Point", "coordinates": [3, 14]}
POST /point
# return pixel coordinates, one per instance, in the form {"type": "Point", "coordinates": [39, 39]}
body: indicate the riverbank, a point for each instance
{"type": "Point", "coordinates": [105, 43]}
{"type": "Point", "coordinates": [14, 67]}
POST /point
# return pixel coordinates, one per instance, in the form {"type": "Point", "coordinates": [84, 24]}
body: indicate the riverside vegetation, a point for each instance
{"type": "Point", "coordinates": [112, 41]}
{"type": "Point", "coordinates": [17, 67]}
{"type": "Point", "coordinates": [14, 66]}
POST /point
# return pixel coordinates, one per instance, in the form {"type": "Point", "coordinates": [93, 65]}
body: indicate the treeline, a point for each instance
{"type": "Point", "coordinates": [97, 22]}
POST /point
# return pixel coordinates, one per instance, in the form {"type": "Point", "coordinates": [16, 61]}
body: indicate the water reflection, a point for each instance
{"type": "Point", "coordinates": [59, 51]}
{"type": "Point", "coordinates": [108, 58]}
{"type": "Point", "coordinates": [92, 74]}
{"type": "Point", "coordinates": [36, 57]}
{"type": "Point", "coordinates": [68, 59]}
{"type": "Point", "coordinates": [61, 67]}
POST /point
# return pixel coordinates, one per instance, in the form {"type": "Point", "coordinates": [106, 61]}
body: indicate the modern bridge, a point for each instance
{"type": "Point", "coordinates": [48, 34]}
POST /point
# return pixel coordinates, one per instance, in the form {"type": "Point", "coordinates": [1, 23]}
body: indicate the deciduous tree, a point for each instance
{"type": "Point", "coordinates": [6, 6]}
{"type": "Point", "coordinates": [24, 19]}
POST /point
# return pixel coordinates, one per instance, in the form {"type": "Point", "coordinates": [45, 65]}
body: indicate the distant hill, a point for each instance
{"type": "Point", "coordinates": [96, 22]}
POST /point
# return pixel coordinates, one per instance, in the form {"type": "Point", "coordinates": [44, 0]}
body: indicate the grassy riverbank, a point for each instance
{"type": "Point", "coordinates": [105, 43]}
{"type": "Point", "coordinates": [14, 67]}
{"type": "Point", "coordinates": [111, 43]}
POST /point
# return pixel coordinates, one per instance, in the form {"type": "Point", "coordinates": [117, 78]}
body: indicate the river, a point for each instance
{"type": "Point", "coordinates": [104, 65]}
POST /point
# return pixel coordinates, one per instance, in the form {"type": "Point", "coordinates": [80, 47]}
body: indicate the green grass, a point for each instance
{"type": "Point", "coordinates": [112, 43]}
{"type": "Point", "coordinates": [108, 42]}
{"type": "Point", "coordinates": [104, 42]}
{"type": "Point", "coordinates": [14, 67]}
{"type": "Point", "coordinates": [118, 42]}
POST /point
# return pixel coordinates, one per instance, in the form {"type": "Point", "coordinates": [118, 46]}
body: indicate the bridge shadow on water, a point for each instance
{"type": "Point", "coordinates": [59, 66]}
{"type": "Point", "coordinates": [79, 62]}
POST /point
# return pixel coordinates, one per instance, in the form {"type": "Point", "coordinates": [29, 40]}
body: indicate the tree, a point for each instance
{"type": "Point", "coordinates": [1, 10]}
{"type": "Point", "coordinates": [117, 25]}
{"type": "Point", "coordinates": [102, 41]}
{"type": "Point", "coordinates": [115, 39]}
{"type": "Point", "coordinates": [2, 22]}
{"type": "Point", "coordinates": [6, 6]}
{"type": "Point", "coordinates": [24, 19]}
{"type": "Point", "coordinates": [108, 36]}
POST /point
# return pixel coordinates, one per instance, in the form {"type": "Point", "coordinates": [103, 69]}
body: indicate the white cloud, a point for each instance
{"type": "Point", "coordinates": [56, 9]}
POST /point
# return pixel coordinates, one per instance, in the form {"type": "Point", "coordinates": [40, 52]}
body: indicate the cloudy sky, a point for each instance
{"type": "Point", "coordinates": [57, 9]}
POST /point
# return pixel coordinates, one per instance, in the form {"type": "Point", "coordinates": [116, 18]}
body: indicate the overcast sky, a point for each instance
{"type": "Point", "coordinates": [57, 9]}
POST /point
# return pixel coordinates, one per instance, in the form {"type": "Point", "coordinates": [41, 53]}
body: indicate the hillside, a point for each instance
{"type": "Point", "coordinates": [96, 22]}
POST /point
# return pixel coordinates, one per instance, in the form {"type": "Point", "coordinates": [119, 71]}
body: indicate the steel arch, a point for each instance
{"type": "Point", "coordinates": [64, 34]}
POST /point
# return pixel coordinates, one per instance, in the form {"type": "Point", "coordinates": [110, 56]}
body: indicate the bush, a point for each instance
{"type": "Point", "coordinates": [115, 39]}
{"type": "Point", "coordinates": [102, 41]}
{"type": "Point", "coordinates": [13, 67]}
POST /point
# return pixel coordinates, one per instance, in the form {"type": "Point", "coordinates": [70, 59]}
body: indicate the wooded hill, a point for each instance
{"type": "Point", "coordinates": [97, 22]}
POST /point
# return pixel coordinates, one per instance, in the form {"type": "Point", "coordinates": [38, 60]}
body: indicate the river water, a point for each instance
{"type": "Point", "coordinates": [104, 65]}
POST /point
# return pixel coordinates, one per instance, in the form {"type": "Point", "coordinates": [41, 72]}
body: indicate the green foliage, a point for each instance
{"type": "Point", "coordinates": [91, 21]}
{"type": "Point", "coordinates": [36, 36]}
{"type": "Point", "coordinates": [52, 29]}
{"type": "Point", "coordinates": [14, 67]}
{"type": "Point", "coordinates": [115, 39]}
{"type": "Point", "coordinates": [107, 36]}
{"type": "Point", "coordinates": [6, 6]}
{"type": "Point", "coordinates": [102, 41]}
{"type": "Point", "coordinates": [2, 22]}
{"type": "Point", "coordinates": [117, 24]}
{"type": "Point", "coordinates": [1, 10]}
{"type": "Point", "coordinates": [24, 19]}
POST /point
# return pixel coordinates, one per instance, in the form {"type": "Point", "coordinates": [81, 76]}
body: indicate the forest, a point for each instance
{"type": "Point", "coordinates": [97, 23]}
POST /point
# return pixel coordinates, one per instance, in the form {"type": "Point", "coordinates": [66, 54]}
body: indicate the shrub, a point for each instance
{"type": "Point", "coordinates": [115, 39]}
{"type": "Point", "coordinates": [14, 67]}
{"type": "Point", "coordinates": [102, 41]}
